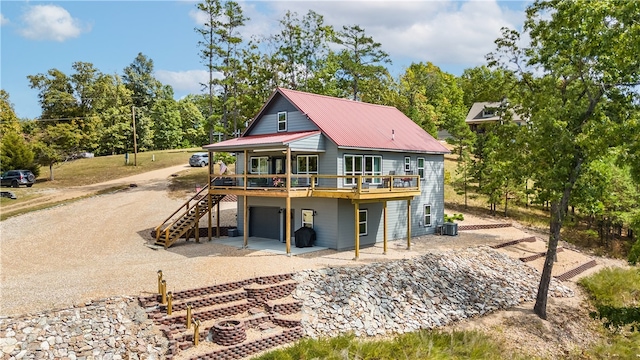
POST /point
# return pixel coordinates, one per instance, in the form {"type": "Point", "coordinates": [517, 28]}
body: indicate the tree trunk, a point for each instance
{"type": "Point", "coordinates": [558, 212]}
{"type": "Point", "coordinates": [50, 171]}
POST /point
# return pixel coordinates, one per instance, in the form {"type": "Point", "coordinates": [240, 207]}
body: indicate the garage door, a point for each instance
{"type": "Point", "coordinates": [264, 221]}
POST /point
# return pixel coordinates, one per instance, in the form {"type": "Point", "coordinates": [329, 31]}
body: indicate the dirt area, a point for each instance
{"type": "Point", "coordinates": [97, 247]}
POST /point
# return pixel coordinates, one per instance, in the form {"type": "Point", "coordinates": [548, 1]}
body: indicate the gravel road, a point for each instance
{"type": "Point", "coordinates": [97, 247]}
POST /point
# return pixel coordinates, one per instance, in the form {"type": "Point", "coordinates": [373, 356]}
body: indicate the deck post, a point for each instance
{"type": "Point", "coordinates": [409, 224]}
{"type": "Point", "coordinates": [245, 222]}
{"type": "Point", "coordinates": [210, 216]}
{"type": "Point", "coordinates": [287, 223]}
{"type": "Point", "coordinates": [218, 219]}
{"type": "Point", "coordinates": [196, 226]}
{"type": "Point", "coordinates": [384, 226]}
{"type": "Point", "coordinates": [356, 207]}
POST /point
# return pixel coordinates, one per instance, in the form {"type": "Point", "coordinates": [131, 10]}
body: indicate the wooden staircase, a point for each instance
{"type": "Point", "coordinates": [185, 220]}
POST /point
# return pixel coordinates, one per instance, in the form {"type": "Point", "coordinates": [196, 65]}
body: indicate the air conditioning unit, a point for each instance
{"type": "Point", "coordinates": [450, 229]}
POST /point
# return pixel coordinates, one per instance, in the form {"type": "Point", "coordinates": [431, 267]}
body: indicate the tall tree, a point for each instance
{"type": "Point", "coordinates": [221, 50]}
{"type": "Point", "coordinates": [483, 84]}
{"type": "Point", "coordinates": [578, 78]}
{"type": "Point", "coordinates": [361, 59]}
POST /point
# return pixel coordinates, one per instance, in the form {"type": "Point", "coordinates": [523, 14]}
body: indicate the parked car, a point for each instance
{"type": "Point", "coordinates": [15, 178]}
{"type": "Point", "coordinates": [199, 159]}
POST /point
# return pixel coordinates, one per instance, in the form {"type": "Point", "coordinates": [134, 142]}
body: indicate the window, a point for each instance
{"type": "Point", "coordinates": [307, 218]}
{"type": "Point", "coordinates": [421, 167]}
{"type": "Point", "coordinates": [373, 166]}
{"type": "Point", "coordinates": [307, 165]}
{"type": "Point", "coordinates": [353, 167]}
{"type": "Point", "coordinates": [362, 214]}
{"type": "Point", "coordinates": [488, 112]}
{"type": "Point", "coordinates": [282, 121]}
{"type": "Point", "coordinates": [427, 215]}
{"type": "Point", "coordinates": [407, 164]}
{"type": "Point", "coordinates": [259, 165]}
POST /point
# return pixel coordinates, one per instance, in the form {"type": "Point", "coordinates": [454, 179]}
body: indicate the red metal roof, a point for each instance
{"type": "Point", "coordinates": [356, 124]}
{"type": "Point", "coordinates": [260, 140]}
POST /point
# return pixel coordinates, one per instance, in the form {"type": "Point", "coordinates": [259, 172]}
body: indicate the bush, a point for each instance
{"type": "Point", "coordinates": [454, 217]}
{"type": "Point", "coordinates": [634, 253]}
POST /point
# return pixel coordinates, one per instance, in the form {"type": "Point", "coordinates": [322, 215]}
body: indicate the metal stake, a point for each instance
{"type": "Point", "coordinates": [159, 282]}
{"type": "Point", "coordinates": [164, 291]}
{"type": "Point", "coordinates": [188, 316]}
{"type": "Point", "coordinates": [196, 332]}
{"type": "Point", "coordinates": [169, 300]}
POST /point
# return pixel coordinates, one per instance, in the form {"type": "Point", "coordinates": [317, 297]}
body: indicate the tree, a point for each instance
{"type": "Point", "coordinates": [360, 60]}
{"type": "Point", "coordinates": [482, 84]}
{"type": "Point", "coordinates": [167, 125]}
{"type": "Point", "coordinates": [578, 78]}
{"type": "Point", "coordinates": [54, 144]}
{"type": "Point", "coordinates": [221, 52]}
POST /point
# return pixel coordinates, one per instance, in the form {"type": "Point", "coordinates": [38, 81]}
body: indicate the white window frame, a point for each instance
{"type": "Point", "coordinates": [353, 172]}
{"type": "Point", "coordinates": [260, 163]}
{"type": "Point", "coordinates": [373, 171]}
{"type": "Point", "coordinates": [309, 216]}
{"type": "Point", "coordinates": [307, 172]}
{"type": "Point", "coordinates": [420, 167]}
{"type": "Point", "coordinates": [427, 215]}
{"type": "Point", "coordinates": [282, 120]}
{"type": "Point", "coordinates": [407, 164]}
{"type": "Point", "coordinates": [365, 222]}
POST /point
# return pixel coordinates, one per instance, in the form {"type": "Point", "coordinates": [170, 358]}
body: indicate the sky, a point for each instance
{"type": "Point", "coordinates": [37, 36]}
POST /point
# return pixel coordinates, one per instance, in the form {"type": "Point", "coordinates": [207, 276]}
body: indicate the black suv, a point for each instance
{"type": "Point", "coordinates": [15, 178]}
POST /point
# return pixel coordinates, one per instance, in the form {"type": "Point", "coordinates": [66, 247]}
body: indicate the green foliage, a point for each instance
{"type": "Point", "coordinates": [15, 153]}
{"type": "Point", "coordinates": [634, 254]}
{"type": "Point", "coordinates": [416, 345]}
{"type": "Point", "coordinates": [454, 217]}
{"type": "Point", "coordinates": [615, 293]}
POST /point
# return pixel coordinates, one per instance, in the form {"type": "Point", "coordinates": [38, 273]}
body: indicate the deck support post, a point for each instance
{"type": "Point", "coordinates": [384, 235]}
{"type": "Point", "coordinates": [245, 222]}
{"type": "Point", "coordinates": [196, 226]}
{"type": "Point", "coordinates": [218, 219]}
{"type": "Point", "coordinates": [287, 223]}
{"type": "Point", "coordinates": [409, 224]}
{"type": "Point", "coordinates": [210, 221]}
{"type": "Point", "coordinates": [356, 207]}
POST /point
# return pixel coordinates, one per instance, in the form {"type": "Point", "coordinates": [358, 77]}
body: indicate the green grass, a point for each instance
{"type": "Point", "coordinates": [417, 345]}
{"type": "Point", "coordinates": [105, 168]}
{"type": "Point", "coordinates": [614, 287]}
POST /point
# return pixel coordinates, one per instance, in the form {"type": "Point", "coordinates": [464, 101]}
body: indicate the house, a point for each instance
{"type": "Point", "coordinates": [482, 113]}
{"type": "Point", "coordinates": [355, 173]}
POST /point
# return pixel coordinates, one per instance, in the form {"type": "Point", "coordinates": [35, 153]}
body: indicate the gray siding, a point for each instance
{"type": "Point", "coordinates": [311, 143]}
{"type": "Point", "coordinates": [324, 221]}
{"type": "Point", "coordinates": [346, 225]}
{"type": "Point", "coordinates": [268, 122]}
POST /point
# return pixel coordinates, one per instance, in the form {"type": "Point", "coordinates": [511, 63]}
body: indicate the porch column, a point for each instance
{"type": "Point", "coordinates": [218, 219]}
{"type": "Point", "coordinates": [287, 214]}
{"type": "Point", "coordinates": [384, 220]}
{"type": "Point", "coordinates": [209, 220]}
{"type": "Point", "coordinates": [356, 207]}
{"type": "Point", "coordinates": [246, 221]}
{"type": "Point", "coordinates": [409, 224]}
{"type": "Point", "coordinates": [246, 168]}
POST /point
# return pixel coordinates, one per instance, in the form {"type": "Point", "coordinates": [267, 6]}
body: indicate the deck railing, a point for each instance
{"type": "Point", "coordinates": [337, 183]}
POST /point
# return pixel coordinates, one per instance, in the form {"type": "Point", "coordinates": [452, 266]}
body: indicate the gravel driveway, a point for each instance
{"type": "Point", "coordinates": [97, 247]}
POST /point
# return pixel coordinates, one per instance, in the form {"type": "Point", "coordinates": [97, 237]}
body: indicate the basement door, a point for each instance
{"type": "Point", "coordinates": [264, 222]}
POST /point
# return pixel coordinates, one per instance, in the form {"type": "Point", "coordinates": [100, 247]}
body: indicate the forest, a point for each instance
{"type": "Point", "coordinates": [574, 77]}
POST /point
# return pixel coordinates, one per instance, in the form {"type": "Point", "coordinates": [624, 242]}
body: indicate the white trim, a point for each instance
{"type": "Point", "coordinates": [421, 168]}
{"type": "Point", "coordinates": [302, 217]}
{"type": "Point", "coordinates": [407, 165]}
{"type": "Point", "coordinates": [425, 215]}
{"type": "Point", "coordinates": [278, 121]}
{"type": "Point", "coordinates": [365, 222]}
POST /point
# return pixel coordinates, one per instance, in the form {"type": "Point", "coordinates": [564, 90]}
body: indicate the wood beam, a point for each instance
{"type": "Point", "coordinates": [218, 219]}
{"type": "Point", "coordinates": [210, 220]}
{"type": "Point", "coordinates": [409, 224]}
{"type": "Point", "coordinates": [287, 222]}
{"type": "Point", "coordinates": [245, 224]}
{"type": "Point", "coordinates": [384, 220]}
{"type": "Point", "coordinates": [356, 207]}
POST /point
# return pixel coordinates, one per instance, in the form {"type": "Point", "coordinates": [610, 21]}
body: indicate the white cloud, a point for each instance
{"type": "Point", "coordinates": [3, 20]}
{"type": "Point", "coordinates": [50, 22]}
{"type": "Point", "coordinates": [185, 81]}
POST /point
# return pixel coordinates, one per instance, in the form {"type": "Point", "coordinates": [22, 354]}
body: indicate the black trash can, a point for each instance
{"type": "Point", "coordinates": [305, 237]}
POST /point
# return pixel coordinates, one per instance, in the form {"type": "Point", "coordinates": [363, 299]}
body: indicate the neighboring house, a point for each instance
{"type": "Point", "coordinates": [356, 173]}
{"type": "Point", "coordinates": [482, 113]}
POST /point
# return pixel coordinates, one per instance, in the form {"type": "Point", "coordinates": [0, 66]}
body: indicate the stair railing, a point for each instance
{"type": "Point", "coordinates": [187, 206]}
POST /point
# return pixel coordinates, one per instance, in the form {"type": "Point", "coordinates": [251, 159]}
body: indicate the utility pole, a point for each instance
{"type": "Point", "coordinates": [135, 142]}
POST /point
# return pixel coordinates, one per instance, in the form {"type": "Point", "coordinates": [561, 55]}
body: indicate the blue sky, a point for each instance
{"type": "Point", "coordinates": [36, 36]}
